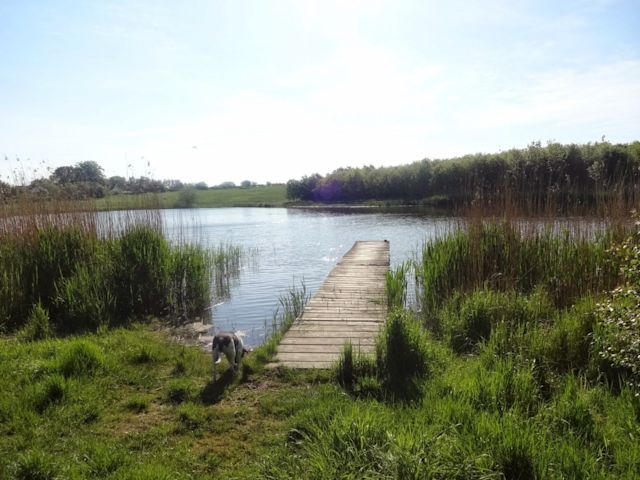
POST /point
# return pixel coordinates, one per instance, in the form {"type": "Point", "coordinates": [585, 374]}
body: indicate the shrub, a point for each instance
{"type": "Point", "coordinates": [617, 335]}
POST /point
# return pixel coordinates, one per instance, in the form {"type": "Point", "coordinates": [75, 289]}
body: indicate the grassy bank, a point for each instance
{"type": "Point", "coordinates": [131, 403]}
{"type": "Point", "coordinates": [522, 363]}
{"type": "Point", "coordinates": [255, 196]}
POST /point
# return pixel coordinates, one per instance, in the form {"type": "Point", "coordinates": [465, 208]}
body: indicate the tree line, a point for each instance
{"type": "Point", "coordinates": [536, 177]}
{"type": "Point", "coordinates": [87, 180]}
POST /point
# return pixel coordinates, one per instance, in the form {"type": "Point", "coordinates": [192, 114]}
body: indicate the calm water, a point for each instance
{"type": "Point", "coordinates": [288, 246]}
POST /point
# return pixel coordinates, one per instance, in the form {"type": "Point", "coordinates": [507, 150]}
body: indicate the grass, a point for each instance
{"type": "Point", "coordinates": [509, 379]}
{"type": "Point", "coordinates": [256, 196]}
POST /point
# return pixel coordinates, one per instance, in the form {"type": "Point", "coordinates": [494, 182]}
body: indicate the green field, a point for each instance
{"type": "Point", "coordinates": [258, 196]}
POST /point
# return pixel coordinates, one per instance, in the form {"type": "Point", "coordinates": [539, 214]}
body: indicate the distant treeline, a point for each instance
{"type": "Point", "coordinates": [536, 177]}
{"type": "Point", "coordinates": [87, 180]}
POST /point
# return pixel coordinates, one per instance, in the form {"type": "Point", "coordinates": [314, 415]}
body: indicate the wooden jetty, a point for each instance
{"type": "Point", "coordinates": [350, 305]}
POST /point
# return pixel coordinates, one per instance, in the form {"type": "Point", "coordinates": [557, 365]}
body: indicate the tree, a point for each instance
{"type": "Point", "coordinates": [90, 171]}
{"type": "Point", "coordinates": [117, 182]}
{"type": "Point", "coordinates": [65, 174]}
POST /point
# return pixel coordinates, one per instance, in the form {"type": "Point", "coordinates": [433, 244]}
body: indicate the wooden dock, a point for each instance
{"type": "Point", "coordinates": [350, 305]}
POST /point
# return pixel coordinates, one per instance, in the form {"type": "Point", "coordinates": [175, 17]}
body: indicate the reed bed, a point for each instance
{"type": "Point", "coordinates": [79, 269]}
{"type": "Point", "coordinates": [502, 255]}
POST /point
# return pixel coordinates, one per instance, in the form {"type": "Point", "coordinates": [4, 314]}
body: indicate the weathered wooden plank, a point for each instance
{"type": "Point", "coordinates": [349, 306]}
{"type": "Point", "coordinates": [330, 334]}
{"type": "Point", "coordinates": [322, 340]}
{"type": "Point", "coordinates": [301, 365]}
{"type": "Point", "coordinates": [307, 357]}
{"type": "Point", "coordinates": [328, 348]}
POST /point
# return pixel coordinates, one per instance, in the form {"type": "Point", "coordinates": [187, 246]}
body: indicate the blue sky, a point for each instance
{"type": "Point", "coordinates": [272, 90]}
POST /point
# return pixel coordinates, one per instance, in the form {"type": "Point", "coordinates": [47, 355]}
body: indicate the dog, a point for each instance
{"type": "Point", "coordinates": [229, 343]}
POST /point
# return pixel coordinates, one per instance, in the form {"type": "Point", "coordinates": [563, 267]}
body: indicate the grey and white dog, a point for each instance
{"type": "Point", "coordinates": [230, 344]}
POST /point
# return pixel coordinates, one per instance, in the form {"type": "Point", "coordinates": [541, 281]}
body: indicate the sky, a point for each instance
{"type": "Point", "coordinates": [269, 90]}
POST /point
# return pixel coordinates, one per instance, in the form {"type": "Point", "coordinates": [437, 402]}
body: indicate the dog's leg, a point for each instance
{"type": "Point", "coordinates": [239, 351]}
{"type": "Point", "coordinates": [231, 356]}
{"type": "Point", "coordinates": [216, 360]}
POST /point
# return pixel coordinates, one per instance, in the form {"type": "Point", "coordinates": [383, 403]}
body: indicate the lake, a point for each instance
{"type": "Point", "coordinates": [285, 247]}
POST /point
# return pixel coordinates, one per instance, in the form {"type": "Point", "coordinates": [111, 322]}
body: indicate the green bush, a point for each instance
{"type": "Point", "coordinates": [617, 334]}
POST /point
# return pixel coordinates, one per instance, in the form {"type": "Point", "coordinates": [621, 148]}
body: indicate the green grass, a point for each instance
{"type": "Point", "coordinates": [513, 384]}
{"type": "Point", "coordinates": [133, 414]}
{"type": "Point", "coordinates": [257, 196]}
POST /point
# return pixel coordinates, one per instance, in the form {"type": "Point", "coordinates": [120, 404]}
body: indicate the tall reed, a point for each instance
{"type": "Point", "coordinates": [84, 268]}
{"type": "Point", "coordinates": [501, 255]}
